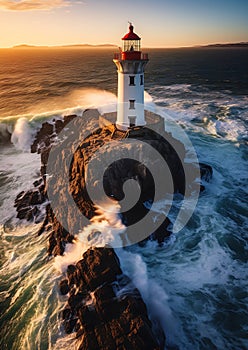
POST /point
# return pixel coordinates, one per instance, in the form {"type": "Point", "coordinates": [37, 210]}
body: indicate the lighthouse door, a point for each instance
{"type": "Point", "coordinates": [132, 121]}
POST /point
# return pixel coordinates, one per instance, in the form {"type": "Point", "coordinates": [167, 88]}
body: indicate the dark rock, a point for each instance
{"type": "Point", "coordinates": [38, 182]}
{"type": "Point", "coordinates": [113, 322]}
{"type": "Point", "coordinates": [71, 274]}
{"type": "Point", "coordinates": [44, 155]}
{"type": "Point", "coordinates": [206, 172]}
{"type": "Point", "coordinates": [89, 342]}
{"type": "Point", "coordinates": [141, 336]}
{"type": "Point", "coordinates": [106, 303]}
{"type": "Point", "coordinates": [88, 317]}
{"type": "Point", "coordinates": [133, 306]}
{"type": "Point", "coordinates": [104, 337]}
{"type": "Point", "coordinates": [80, 331]}
{"type": "Point", "coordinates": [27, 213]}
{"type": "Point", "coordinates": [52, 242]}
{"type": "Point", "coordinates": [19, 196]}
{"type": "Point", "coordinates": [66, 314]}
{"type": "Point", "coordinates": [35, 198]}
{"type": "Point", "coordinates": [99, 266]}
{"type": "Point", "coordinates": [64, 287]}
{"type": "Point", "coordinates": [28, 203]}
{"type": "Point", "coordinates": [69, 118]}
{"type": "Point", "coordinates": [59, 125]}
{"type": "Point", "coordinates": [42, 137]}
{"type": "Point", "coordinates": [75, 300]}
{"type": "Point", "coordinates": [70, 325]}
{"type": "Point", "coordinates": [77, 327]}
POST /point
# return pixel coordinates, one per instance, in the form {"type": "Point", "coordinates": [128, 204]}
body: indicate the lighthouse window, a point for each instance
{"type": "Point", "coordinates": [131, 104]}
{"type": "Point", "coordinates": [131, 80]}
{"type": "Point", "coordinates": [141, 80]}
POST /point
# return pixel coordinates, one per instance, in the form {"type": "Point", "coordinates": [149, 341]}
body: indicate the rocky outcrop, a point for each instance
{"type": "Point", "coordinates": [98, 310]}
{"type": "Point", "coordinates": [28, 204]}
{"type": "Point", "coordinates": [46, 136]}
{"type": "Point", "coordinates": [115, 175]}
{"type": "Point", "coordinates": [103, 315]}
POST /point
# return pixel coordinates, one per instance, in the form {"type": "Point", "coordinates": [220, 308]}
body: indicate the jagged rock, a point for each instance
{"type": "Point", "coordinates": [105, 302]}
{"type": "Point", "coordinates": [28, 203]}
{"type": "Point", "coordinates": [112, 322]}
{"type": "Point", "coordinates": [94, 272]}
{"type": "Point", "coordinates": [120, 172]}
{"type": "Point", "coordinates": [48, 131]}
{"type": "Point", "coordinates": [69, 325]}
{"type": "Point", "coordinates": [66, 314]}
{"type": "Point", "coordinates": [89, 342]}
{"type": "Point", "coordinates": [88, 317]}
{"type": "Point", "coordinates": [104, 337]}
{"type": "Point", "coordinates": [38, 182]}
{"type": "Point", "coordinates": [71, 274]}
{"type": "Point", "coordinates": [101, 319]}
{"type": "Point", "coordinates": [76, 300]}
{"type": "Point", "coordinates": [42, 137]}
{"type": "Point", "coordinates": [64, 287]}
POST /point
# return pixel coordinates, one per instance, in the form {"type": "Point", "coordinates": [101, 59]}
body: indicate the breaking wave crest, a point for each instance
{"type": "Point", "coordinates": [21, 129]}
{"type": "Point", "coordinates": [220, 114]}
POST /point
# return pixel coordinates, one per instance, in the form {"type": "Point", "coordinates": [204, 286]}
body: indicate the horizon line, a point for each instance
{"type": "Point", "coordinates": [105, 45]}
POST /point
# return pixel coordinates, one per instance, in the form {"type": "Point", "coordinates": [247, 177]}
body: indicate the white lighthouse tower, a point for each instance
{"type": "Point", "coordinates": [130, 63]}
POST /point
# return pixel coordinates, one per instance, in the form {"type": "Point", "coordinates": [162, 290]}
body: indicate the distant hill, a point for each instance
{"type": "Point", "coordinates": [24, 46]}
{"type": "Point", "coordinates": [75, 46]}
{"type": "Point", "coordinates": [88, 45]}
{"type": "Point", "coordinates": [241, 44]}
{"type": "Point", "coordinates": [82, 46]}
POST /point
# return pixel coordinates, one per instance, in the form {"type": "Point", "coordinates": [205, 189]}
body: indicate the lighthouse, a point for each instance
{"type": "Point", "coordinates": [130, 63]}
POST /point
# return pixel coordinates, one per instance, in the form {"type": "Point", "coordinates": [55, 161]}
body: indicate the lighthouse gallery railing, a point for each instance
{"type": "Point", "coordinates": [118, 56]}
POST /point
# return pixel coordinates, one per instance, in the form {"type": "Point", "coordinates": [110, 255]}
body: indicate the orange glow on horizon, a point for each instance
{"type": "Point", "coordinates": [161, 25]}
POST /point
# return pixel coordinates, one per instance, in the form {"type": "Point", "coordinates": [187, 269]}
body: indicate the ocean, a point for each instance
{"type": "Point", "coordinates": [196, 284]}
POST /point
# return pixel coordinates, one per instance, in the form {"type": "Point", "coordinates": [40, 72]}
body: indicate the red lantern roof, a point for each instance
{"type": "Point", "coordinates": [131, 35]}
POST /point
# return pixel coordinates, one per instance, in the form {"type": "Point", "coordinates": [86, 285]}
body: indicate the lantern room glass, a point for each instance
{"type": "Point", "coordinates": [131, 45]}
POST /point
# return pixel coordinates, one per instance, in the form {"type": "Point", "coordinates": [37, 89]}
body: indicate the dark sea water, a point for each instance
{"type": "Point", "coordinates": [196, 285]}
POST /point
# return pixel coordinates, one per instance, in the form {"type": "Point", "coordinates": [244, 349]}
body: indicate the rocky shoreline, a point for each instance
{"type": "Point", "coordinates": [101, 314]}
{"type": "Point", "coordinates": [101, 310]}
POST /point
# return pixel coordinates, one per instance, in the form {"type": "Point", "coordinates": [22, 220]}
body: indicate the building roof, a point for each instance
{"type": "Point", "coordinates": [131, 35]}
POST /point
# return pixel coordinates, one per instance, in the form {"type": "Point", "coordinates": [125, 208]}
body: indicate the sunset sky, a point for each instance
{"type": "Point", "coordinates": [160, 23]}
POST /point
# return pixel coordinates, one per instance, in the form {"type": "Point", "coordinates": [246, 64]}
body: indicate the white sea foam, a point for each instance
{"type": "Point", "coordinates": [22, 135]}
{"type": "Point", "coordinates": [154, 295]}
{"type": "Point", "coordinates": [29, 280]}
{"type": "Point", "coordinates": [73, 253]}
{"type": "Point", "coordinates": [23, 128]}
{"type": "Point", "coordinates": [19, 170]}
{"type": "Point", "coordinates": [204, 111]}
{"type": "Point", "coordinates": [105, 229]}
{"type": "Point", "coordinates": [77, 98]}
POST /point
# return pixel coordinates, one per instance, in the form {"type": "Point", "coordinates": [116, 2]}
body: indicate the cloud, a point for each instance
{"type": "Point", "coordinates": [28, 5]}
